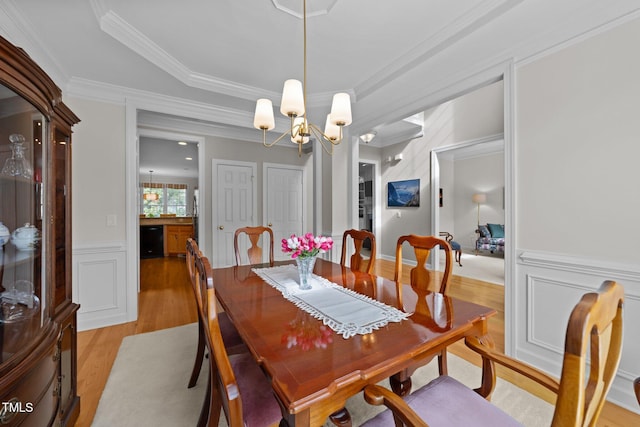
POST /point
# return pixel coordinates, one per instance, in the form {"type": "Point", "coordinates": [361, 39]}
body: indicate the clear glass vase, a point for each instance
{"type": "Point", "coordinates": [305, 269]}
{"type": "Point", "coordinates": [17, 164]}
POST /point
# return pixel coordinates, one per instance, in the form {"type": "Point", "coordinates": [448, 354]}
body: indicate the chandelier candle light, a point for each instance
{"type": "Point", "coordinates": [304, 249]}
{"type": "Point", "coordinates": [294, 106]}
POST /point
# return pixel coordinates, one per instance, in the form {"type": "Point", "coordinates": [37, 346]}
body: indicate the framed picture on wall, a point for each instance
{"type": "Point", "coordinates": [403, 193]}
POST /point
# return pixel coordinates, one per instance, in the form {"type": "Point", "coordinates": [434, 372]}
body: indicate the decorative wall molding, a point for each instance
{"type": "Point", "coordinates": [100, 285]}
{"type": "Point", "coordinates": [538, 305]}
{"type": "Point", "coordinates": [580, 265]}
{"type": "Point", "coordinates": [547, 287]}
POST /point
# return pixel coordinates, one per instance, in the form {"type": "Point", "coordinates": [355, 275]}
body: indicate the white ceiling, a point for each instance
{"type": "Point", "coordinates": [167, 158]}
{"type": "Point", "coordinates": [393, 57]}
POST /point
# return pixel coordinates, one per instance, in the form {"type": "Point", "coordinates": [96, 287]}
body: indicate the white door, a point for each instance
{"type": "Point", "coordinates": [284, 202]}
{"type": "Point", "coordinates": [234, 206]}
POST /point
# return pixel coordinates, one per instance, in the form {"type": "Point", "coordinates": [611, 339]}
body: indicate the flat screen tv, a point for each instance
{"type": "Point", "coordinates": [403, 193]}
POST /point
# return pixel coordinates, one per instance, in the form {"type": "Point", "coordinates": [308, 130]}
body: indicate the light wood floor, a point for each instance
{"type": "Point", "coordinates": [166, 300]}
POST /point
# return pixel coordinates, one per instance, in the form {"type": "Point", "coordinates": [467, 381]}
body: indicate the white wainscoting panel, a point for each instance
{"type": "Point", "coordinates": [336, 250]}
{"type": "Point", "coordinates": [547, 288]}
{"type": "Point", "coordinates": [100, 285]}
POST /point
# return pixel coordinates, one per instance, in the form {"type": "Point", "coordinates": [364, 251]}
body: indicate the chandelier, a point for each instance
{"type": "Point", "coordinates": [151, 196]}
{"type": "Point", "coordinates": [294, 106]}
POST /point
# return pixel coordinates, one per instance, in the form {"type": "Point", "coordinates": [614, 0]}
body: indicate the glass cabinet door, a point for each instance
{"type": "Point", "coordinates": [60, 226]}
{"type": "Point", "coordinates": [22, 135]}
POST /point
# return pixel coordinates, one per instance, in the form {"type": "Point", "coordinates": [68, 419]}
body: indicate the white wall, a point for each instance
{"type": "Point", "coordinates": [577, 198]}
{"type": "Point", "coordinates": [577, 133]}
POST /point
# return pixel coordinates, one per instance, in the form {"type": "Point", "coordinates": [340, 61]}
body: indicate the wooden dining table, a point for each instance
{"type": "Point", "coordinates": [314, 370]}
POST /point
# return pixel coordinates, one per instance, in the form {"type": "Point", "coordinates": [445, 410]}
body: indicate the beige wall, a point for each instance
{"type": "Point", "coordinates": [98, 164]}
{"type": "Point", "coordinates": [577, 148]}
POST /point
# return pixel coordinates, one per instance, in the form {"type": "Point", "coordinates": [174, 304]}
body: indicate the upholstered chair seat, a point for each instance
{"type": "Point", "coordinates": [259, 408]}
{"type": "Point", "coordinates": [445, 402]}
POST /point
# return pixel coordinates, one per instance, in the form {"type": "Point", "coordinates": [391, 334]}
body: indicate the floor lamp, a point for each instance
{"type": "Point", "coordinates": [478, 199]}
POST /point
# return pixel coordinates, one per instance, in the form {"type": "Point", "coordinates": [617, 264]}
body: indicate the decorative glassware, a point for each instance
{"type": "Point", "coordinates": [305, 269]}
{"type": "Point", "coordinates": [17, 164]}
{"type": "Point", "coordinates": [5, 235]}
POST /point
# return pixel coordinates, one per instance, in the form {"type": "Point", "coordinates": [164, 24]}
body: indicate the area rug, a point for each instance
{"type": "Point", "coordinates": [480, 267]}
{"type": "Point", "coordinates": [148, 386]}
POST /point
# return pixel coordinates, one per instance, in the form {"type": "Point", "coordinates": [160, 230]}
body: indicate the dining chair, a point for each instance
{"type": "Point", "coordinates": [636, 388]}
{"type": "Point", "coordinates": [420, 278]}
{"type": "Point", "coordinates": [356, 261]}
{"type": "Point", "coordinates": [595, 326]}
{"type": "Point", "coordinates": [230, 334]}
{"type": "Point", "coordinates": [455, 246]}
{"type": "Point", "coordinates": [236, 384]}
{"type": "Point", "coordinates": [254, 253]}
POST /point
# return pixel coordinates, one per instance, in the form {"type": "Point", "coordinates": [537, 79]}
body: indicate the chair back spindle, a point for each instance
{"type": "Point", "coordinates": [419, 275]}
{"type": "Point", "coordinates": [254, 251]}
{"type": "Point", "coordinates": [357, 261]}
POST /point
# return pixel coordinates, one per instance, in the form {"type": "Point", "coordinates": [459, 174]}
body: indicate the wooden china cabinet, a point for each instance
{"type": "Point", "coordinates": [38, 356]}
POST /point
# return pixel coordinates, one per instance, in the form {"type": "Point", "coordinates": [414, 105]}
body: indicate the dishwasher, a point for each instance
{"type": "Point", "coordinates": [151, 241]}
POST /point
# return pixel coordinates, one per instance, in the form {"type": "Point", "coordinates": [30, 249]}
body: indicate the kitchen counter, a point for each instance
{"type": "Point", "coordinates": [167, 220]}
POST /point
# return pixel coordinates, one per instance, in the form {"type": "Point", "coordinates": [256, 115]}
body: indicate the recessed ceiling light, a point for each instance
{"type": "Point", "coordinates": [188, 158]}
{"type": "Point", "coordinates": [182, 143]}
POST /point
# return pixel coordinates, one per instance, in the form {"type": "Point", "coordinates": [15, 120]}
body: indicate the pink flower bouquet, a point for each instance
{"type": "Point", "coordinates": [306, 246]}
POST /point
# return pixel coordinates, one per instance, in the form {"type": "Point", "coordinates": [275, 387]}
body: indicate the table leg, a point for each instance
{"type": "Point", "coordinates": [400, 384]}
{"type": "Point", "coordinates": [341, 418]}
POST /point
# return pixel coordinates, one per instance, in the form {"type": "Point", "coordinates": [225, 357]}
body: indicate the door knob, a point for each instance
{"type": "Point", "coordinates": [270, 225]}
{"type": "Point", "coordinates": [221, 227]}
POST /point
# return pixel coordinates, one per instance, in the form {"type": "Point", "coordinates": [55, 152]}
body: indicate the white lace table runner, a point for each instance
{"type": "Point", "coordinates": [343, 310]}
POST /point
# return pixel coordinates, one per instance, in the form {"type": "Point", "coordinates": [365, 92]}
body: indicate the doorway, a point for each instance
{"type": "Point", "coordinates": [176, 159]}
{"type": "Point", "coordinates": [369, 198]}
{"type": "Point", "coordinates": [461, 172]}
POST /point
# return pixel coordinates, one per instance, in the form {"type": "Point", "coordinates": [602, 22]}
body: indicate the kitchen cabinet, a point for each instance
{"type": "Point", "coordinates": [175, 238]}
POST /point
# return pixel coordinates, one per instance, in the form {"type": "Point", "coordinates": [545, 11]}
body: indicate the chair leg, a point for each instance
{"type": "Point", "coordinates": [206, 406]}
{"type": "Point", "coordinates": [197, 365]}
{"type": "Point", "coordinates": [341, 417]}
{"type": "Point", "coordinates": [442, 363]}
{"type": "Point", "coordinates": [458, 258]}
{"type": "Point", "coordinates": [211, 407]}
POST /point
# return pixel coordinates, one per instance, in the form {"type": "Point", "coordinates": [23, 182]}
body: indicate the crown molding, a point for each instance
{"type": "Point", "coordinates": [15, 28]}
{"type": "Point", "coordinates": [468, 23]}
{"type": "Point", "coordinates": [102, 92]}
{"type": "Point", "coordinates": [118, 28]}
{"type": "Point", "coordinates": [557, 47]}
